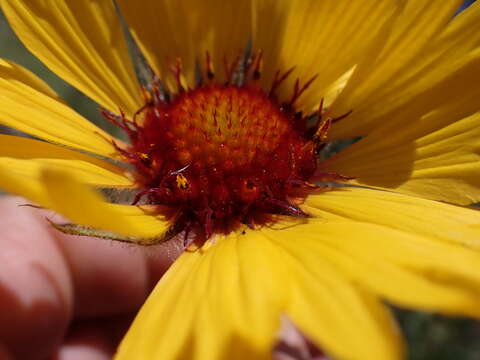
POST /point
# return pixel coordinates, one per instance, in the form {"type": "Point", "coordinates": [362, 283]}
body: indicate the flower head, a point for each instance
{"type": "Point", "coordinates": [233, 161]}
{"type": "Point", "coordinates": [224, 154]}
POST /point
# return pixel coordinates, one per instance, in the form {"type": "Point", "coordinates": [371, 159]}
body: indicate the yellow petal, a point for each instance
{"type": "Point", "coordinates": [218, 303]}
{"type": "Point", "coordinates": [86, 172]}
{"type": "Point", "coordinates": [82, 42]}
{"type": "Point", "coordinates": [437, 157]}
{"type": "Point", "coordinates": [83, 206]}
{"type": "Point", "coordinates": [57, 188]}
{"type": "Point", "coordinates": [346, 321]}
{"type": "Point", "coordinates": [54, 184]}
{"type": "Point", "coordinates": [414, 71]}
{"type": "Point", "coordinates": [317, 37]}
{"type": "Point", "coordinates": [24, 178]}
{"type": "Point", "coordinates": [27, 104]}
{"type": "Point", "coordinates": [187, 29]}
{"type": "Point", "coordinates": [427, 218]}
{"type": "Point", "coordinates": [404, 268]}
{"type": "Point", "coordinates": [25, 148]}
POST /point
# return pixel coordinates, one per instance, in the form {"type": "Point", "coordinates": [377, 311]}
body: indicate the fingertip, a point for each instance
{"type": "Point", "coordinates": [109, 277]}
{"type": "Point", "coordinates": [35, 286]}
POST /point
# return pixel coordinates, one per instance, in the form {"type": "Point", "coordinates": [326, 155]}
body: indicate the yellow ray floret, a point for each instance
{"type": "Point", "coordinates": [25, 148]}
{"type": "Point", "coordinates": [426, 46]}
{"type": "Point", "coordinates": [55, 185]}
{"type": "Point", "coordinates": [220, 27]}
{"type": "Point", "coordinates": [213, 300]}
{"type": "Point", "coordinates": [91, 55]}
{"type": "Point", "coordinates": [436, 157]}
{"type": "Point", "coordinates": [325, 37]}
{"type": "Point", "coordinates": [29, 105]}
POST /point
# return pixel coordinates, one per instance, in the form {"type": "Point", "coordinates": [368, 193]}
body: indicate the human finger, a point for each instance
{"type": "Point", "coordinates": [111, 278]}
{"type": "Point", "coordinates": [36, 294]}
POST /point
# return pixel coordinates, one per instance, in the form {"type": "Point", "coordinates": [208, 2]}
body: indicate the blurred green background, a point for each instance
{"type": "Point", "coordinates": [430, 337]}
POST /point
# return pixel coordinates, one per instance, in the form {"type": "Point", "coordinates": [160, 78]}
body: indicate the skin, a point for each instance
{"type": "Point", "coordinates": [66, 297]}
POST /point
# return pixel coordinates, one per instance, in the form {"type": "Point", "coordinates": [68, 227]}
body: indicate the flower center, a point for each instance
{"type": "Point", "coordinates": [224, 154]}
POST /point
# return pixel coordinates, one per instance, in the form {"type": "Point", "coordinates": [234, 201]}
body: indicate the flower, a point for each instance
{"type": "Point", "coordinates": [406, 73]}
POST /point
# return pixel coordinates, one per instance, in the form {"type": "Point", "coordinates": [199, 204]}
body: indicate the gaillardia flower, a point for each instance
{"type": "Point", "coordinates": [227, 129]}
